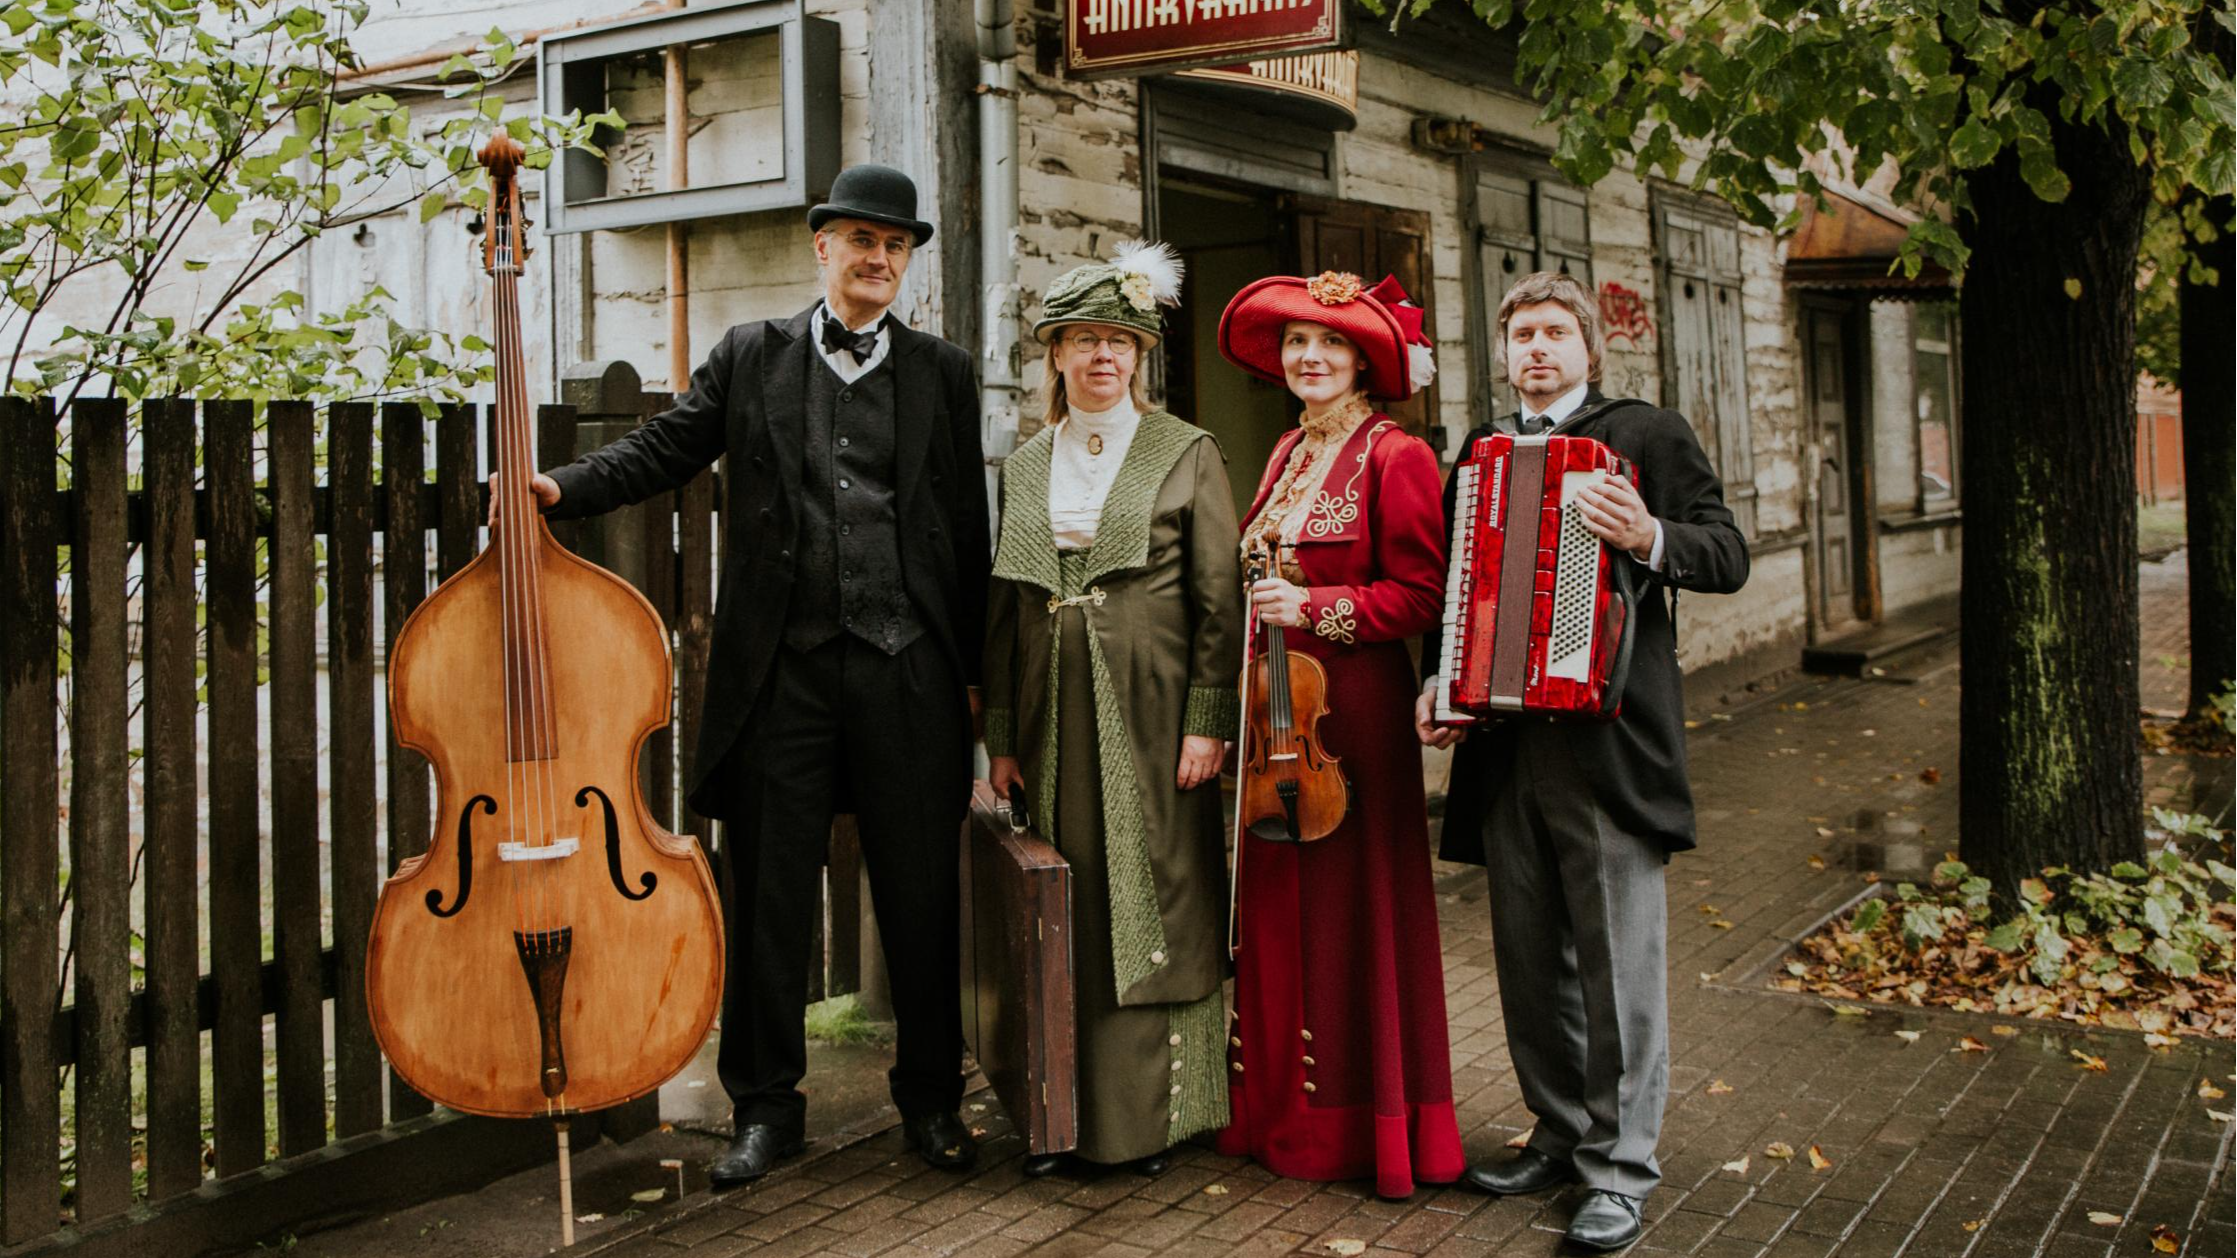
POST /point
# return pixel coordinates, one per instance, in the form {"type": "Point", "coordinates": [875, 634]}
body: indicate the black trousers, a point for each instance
{"type": "Point", "coordinates": [844, 726]}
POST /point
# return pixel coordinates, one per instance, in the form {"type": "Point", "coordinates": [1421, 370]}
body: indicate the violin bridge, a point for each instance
{"type": "Point", "coordinates": [551, 851]}
{"type": "Point", "coordinates": [543, 958]}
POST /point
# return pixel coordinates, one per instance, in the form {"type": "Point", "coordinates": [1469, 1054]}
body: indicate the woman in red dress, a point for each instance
{"type": "Point", "coordinates": [1339, 1063]}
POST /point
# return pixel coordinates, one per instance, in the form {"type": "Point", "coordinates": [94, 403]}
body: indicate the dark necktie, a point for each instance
{"type": "Point", "coordinates": [1527, 423]}
{"type": "Point", "coordinates": [861, 344]}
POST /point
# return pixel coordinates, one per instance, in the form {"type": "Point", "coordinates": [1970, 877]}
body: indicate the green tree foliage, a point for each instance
{"type": "Point", "coordinates": [159, 159]}
{"type": "Point", "coordinates": [1939, 87]}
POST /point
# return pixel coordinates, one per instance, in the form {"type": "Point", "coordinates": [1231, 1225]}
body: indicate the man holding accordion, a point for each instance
{"type": "Point", "coordinates": [1576, 818]}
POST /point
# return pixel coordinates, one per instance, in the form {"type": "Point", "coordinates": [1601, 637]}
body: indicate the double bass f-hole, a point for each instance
{"type": "Point", "coordinates": [647, 880]}
{"type": "Point", "coordinates": [465, 858]}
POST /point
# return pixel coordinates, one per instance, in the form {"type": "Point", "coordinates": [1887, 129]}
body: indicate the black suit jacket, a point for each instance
{"type": "Point", "coordinates": [1636, 763]}
{"type": "Point", "coordinates": [748, 400]}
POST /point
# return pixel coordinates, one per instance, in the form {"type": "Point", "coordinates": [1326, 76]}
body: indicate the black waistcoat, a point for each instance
{"type": "Point", "coordinates": [849, 578]}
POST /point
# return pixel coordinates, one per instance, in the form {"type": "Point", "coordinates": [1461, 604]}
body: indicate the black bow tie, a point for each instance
{"type": "Point", "coordinates": [861, 344]}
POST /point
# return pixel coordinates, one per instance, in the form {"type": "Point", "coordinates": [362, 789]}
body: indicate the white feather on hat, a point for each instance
{"type": "Point", "coordinates": [1154, 261]}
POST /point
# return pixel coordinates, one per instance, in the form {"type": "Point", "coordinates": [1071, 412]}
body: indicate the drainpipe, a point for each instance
{"type": "Point", "coordinates": [998, 226]}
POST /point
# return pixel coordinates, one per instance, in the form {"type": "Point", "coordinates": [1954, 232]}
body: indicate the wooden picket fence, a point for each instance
{"type": "Point", "coordinates": [73, 530]}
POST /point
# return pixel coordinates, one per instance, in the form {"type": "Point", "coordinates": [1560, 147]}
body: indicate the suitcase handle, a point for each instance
{"type": "Point", "coordinates": [1020, 820]}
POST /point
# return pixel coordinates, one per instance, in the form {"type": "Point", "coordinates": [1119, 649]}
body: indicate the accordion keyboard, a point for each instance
{"type": "Point", "coordinates": [1576, 581]}
{"type": "Point", "coordinates": [1457, 586]}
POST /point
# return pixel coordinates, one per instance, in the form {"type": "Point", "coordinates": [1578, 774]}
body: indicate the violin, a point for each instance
{"type": "Point", "coordinates": [554, 950]}
{"type": "Point", "coordinates": [1288, 788]}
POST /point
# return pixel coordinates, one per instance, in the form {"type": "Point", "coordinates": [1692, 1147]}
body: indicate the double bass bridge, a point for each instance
{"type": "Point", "coordinates": [557, 849]}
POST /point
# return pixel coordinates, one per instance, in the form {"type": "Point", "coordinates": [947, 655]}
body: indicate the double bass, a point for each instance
{"type": "Point", "coordinates": [555, 950]}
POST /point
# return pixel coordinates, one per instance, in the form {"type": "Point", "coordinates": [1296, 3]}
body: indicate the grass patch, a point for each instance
{"type": "Point", "coordinates": [840, 1020]}
{"type": "Point", "coordinates": [2160, 530]}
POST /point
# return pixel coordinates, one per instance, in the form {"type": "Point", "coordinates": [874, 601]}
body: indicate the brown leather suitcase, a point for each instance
{"type": "Point", "coordinates": [1018, 1009]}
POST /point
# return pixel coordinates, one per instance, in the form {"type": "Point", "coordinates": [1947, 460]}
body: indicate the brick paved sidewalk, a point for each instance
{"type": "Point", "coordinates": [1933, 1151]}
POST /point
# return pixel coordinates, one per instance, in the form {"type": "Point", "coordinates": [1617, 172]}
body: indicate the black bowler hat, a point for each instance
{"type": "Point", "coordinates": [878, 193]}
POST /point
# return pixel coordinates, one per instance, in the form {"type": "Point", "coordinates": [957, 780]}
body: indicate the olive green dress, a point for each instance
{"type": "Point", "coordinates": [1098, 662]}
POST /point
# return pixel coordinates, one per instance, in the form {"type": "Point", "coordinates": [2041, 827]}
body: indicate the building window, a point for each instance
{"type": "Point", "coordinates": [1704, 347]}
{"type": "Point", "coordinates": [1526, 218]}
{"type": "Point", "coordinates": [1934, 396]}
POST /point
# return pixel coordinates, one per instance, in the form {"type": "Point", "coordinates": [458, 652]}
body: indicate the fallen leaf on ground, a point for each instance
{"type": "Point", "coordinates": [1970, 1225]}
{"type": "Point", "coordinates": [1824, 832]}
{"type": "Point", "coordinates": [1848, 1011]}
{"type": "Point", "coordinates": [1738, 1168]}
{"type": "Point", "coordinates": [1215, 1190]}
{"type": "Point", "coordinates": [1720, 924]}
{"type": "Point", "coordinates": [1871, 875]}
{"type": "Point", "coordinates": [1718, 1087]}
{"type": "Point", "coordinates": [2218, 1115]}
{"type": "Point", "coordinates": [1778, 1149]}
{"type": "Point", "coordinates": [1930, 775]}
{"type": "Point", "coordinates": [1818, 1160]}
{"type": "Point", "coordinates": [978, 1109]}
{"type": "Point", "coordinates": [592, 1217]}
{"type": "Point", "coordinates": [2094, 1064]}
{"type": "Point", "coordinates": [2165, 1239]}
{"type": "Point", "coordinates": [2155, 1040]}
{"type": "Point", "coordinates": [2208, 1092]}
{"type": "Point", "coordinates": [2005, 1031]}
{"type": "Point", "coordinates": [2106, 1218]}
{"type": "Point", "coordinates": [1908, 1037]}
{"type": "Point", "coordinates": [1519, 1142]}
{"type": "Point", "coordinates": [650, 1194]}
{"type": "Point", "coordinates": [1347, 1247]}
{"type": "Point", "coordinates": [1710, 910]}
{"type": "Point", "coordinates": [1817, 862]}
{"type": "Point", "coordinates": [1967, 1044]}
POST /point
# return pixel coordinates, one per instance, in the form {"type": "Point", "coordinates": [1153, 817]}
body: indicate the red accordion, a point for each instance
{"type": "Point", "coordinates": [1538, 613]}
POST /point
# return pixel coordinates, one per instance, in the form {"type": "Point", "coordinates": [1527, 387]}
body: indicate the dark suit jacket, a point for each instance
{"type": "Point", "coordinates": [1636, 763]}
{"type": "Point", "coordinates": [748, 401]}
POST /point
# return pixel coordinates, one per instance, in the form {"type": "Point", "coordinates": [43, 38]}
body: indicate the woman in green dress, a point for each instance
{"type": "Point", "coordinates": [1113, 648]}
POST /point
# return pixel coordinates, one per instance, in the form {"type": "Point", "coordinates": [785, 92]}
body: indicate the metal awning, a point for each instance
{"type": "Point", "coordinates": [1851, 247]}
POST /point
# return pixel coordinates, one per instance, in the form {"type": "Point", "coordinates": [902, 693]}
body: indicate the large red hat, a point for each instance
{"type": "Point", "coordinates": [1380, 321]}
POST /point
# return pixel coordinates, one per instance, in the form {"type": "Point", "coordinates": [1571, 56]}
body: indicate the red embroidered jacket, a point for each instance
{"type": "Point", "coordinates": [1372, 548]}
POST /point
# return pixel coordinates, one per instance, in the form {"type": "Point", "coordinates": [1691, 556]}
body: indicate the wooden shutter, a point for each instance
{"type": "Point", "coordinates": [1526, 219]}
{"type": "Point", "coordinates": [1704, 342]}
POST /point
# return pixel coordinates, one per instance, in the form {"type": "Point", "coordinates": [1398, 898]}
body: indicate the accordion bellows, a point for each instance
{"type": "Point", "coordinates": [1538, 613]}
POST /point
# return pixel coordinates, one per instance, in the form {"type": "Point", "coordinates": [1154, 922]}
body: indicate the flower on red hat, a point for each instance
{"type": "Point", "coordinates": [1334, 288]}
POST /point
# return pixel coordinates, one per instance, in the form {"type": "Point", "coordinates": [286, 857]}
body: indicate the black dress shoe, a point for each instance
{"type": "Point", "coordinates": [1152, 1166]}
{"type": "Point", "coordinates": [1527, 1172]}
{"type": "Point", "coordinates": [1042, 1165]}
{"type": "Point", "coordinates": [941, 1140]}
{"type": "Point", "coordinates": [1607, 1220]}
{"type": "Point", "coordinates": [749, 1157]}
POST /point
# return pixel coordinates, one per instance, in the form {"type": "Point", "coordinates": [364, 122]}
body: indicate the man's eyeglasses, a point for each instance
{"type": "Point", "coordinates": [1123, 344]}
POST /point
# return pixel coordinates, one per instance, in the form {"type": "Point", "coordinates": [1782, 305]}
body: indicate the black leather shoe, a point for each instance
{"type": "Point", "coordinates": [1042, 1165]}
{"type": "Point", "coordinates": [1607, 1220]}
{"type": "Point", "coordinates": [1152, 1166]}
{"type": "Point", "coordinates": [1527, 1172]}
{"type": "Point", "coordinates": [749, 1157]}
{"type": "Point", "coordinates": [941, 1140]}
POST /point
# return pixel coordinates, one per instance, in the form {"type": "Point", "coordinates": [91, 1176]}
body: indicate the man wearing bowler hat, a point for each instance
{"type": "Point", "coordinates": [847, 630]}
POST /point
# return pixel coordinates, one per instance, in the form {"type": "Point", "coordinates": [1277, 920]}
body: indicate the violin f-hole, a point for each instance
{"type": "Point", "coordinates": [648, 879]}
{"type": "Point", "coordinates": [465, 858]}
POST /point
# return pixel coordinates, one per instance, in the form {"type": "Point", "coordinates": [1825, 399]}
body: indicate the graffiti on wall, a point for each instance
{"type": "Point", "coordinates": [1624, 313]}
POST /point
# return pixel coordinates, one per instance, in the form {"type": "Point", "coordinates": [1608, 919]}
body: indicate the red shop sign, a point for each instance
{"type": "Point", "coordinates": [1107, 38]}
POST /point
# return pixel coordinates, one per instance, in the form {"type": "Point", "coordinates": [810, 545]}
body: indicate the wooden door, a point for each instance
{"type": "Point", "coordinates": [1372, 241]}
{"type": "Point", "coordinates": [1825, 339]}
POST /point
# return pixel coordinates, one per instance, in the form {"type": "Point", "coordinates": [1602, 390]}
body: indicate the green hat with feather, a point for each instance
{"type": "Point", "coordinates": [1126, 292]}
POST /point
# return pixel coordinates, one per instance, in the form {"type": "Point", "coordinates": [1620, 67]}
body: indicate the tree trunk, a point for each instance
{"type": "Point", "coordinates": [2048, 715]}
{"type": "Point", "coordinates": [2210, 462]}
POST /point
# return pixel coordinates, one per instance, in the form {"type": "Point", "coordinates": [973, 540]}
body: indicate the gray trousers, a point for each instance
{"type": "Point", "coordinates": [1579, 925]}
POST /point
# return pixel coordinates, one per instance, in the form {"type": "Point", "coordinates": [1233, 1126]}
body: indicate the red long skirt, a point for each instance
{"type": "Point", "coordinates": [1339, 1062]}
